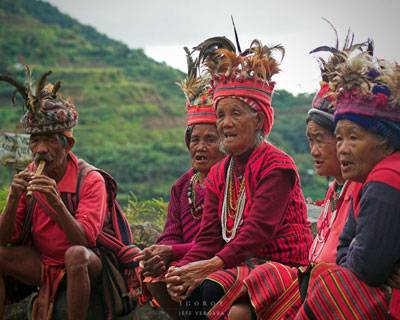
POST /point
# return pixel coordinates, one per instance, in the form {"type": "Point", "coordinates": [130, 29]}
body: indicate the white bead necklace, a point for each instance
{"type": "Point", "coordinates": [241, 202]}
{"type": "Point", "coordinates": [320, 239]}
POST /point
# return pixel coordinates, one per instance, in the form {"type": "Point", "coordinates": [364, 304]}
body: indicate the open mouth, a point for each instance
{"type": "Point", "coordinates": [345, 164]}
{"type": "Point", "coordinates": [200, 157]}
{"type": "Point", "coordinates": [318, 163]}
{"type": "Point", "coordinates": [229, 136]}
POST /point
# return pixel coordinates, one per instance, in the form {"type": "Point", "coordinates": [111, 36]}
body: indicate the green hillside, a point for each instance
{"type": "Point", "coordinates": [131, 111]}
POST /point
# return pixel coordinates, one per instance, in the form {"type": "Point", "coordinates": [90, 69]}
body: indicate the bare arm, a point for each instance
{"type": "Point", "coordinates": [8, 217]}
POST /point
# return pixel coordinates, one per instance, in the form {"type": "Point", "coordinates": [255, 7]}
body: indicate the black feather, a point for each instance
{"type": "Point", "coordinates": [334, 29]}
{"type": "Point", "coordinates": [347, 39]}
{"type": "Point", "coordinates": [236, 36]}
{"type": "Point", "coordinates": [370, 47]}
{"type": "Point", "coordinates": [56, 87]}
{"type": "Point", "coordinates": [210, 45]}
{"type": "Point", "coordinates": [352, 39]}
{"type": "Point", "coordinates": [191, 66]}
{"type": "Point", "coordinates": [14, 96]}
{"type": "Point", "coordinates": [325, 48]}
{"type": "Point", "coordinates": [280, 48]}
{"type": "Point", "coordinates": [19, 86]}
{"type": "Point", "coordinates": [40, 83]}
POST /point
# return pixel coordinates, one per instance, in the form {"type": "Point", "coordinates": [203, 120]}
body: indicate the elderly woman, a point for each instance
{"type": "Point", "coordinates": [187, 194]}
{"type": "Point", "coordinates": [271, 301]}
{"type": "Point", "coordinates": [254, 209]}
{"type": "Point", "coordinates": [368, 145]}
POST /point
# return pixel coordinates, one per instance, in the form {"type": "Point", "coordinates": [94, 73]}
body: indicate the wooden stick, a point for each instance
{"type": "Point", "coordinates": [38, 172]}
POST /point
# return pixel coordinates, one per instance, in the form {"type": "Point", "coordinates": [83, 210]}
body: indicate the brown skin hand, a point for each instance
{"type": "Point", "coordinates": [154, 259]}
{"type": "Point", "coordinates": [394, 279]}
{"type": "Point", "coordinates": [18, 186]}
{"type": "Point", "coordinates": [182, 281]}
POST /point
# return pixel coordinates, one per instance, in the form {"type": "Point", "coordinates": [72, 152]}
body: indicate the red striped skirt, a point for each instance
{"type": "Point", "coordinates": [335, 292]}
{"type": "Point", "coordinates": [232, 281]}
{"type": "Point", "coordinates": [273, 291]}
{"type": "Point", "coordinates": [272, 288]}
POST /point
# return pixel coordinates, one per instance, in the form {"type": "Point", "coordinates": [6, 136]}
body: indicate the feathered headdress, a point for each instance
{"type": "Point", "coordinates": [193, 86]}
{"type": "Point", "coordinates": [324, 102]}
{"type": "Point", "coordinates": [340, 55]}
{"type": "Point", "coordinates": [196, 86]}
{"type": "Point", "coordinates": [46, 110]}
{"type": "Point", "coordinates": [390, 77]}
{"type": "Point", "coordinates": [255, 63]}
{"type": "Point", "coordinates": [367, 93]}
{"type": "Point", "coordinates": [246, 76]}
{"type": "Point", "coordinates": [33, 98]}
{"type": "Point", "coordinates": [367, 87]}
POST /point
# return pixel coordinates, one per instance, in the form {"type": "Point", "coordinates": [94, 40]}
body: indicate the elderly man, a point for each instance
{"type": "Point", "coordinates": [45, 231]}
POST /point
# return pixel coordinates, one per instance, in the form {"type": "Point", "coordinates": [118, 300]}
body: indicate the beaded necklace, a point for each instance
{"type": "Point", "coordinates": [336, 196]}
{"type": "Point", "coordinates": [232, 195]}
{"type": "Point", "coordinates": [326, 225]}
{"type": "Point", "coordinates": [194, 210]}
{"type": "Point", "coordinates": [228, 205]}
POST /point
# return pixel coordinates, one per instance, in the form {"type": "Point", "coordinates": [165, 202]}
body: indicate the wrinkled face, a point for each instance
{"type": "Point", "coordinates": [50, 148]}
{"type": "Point", "coordinates": [323, 150]}
{"type": "Point", "coordinates": [204, 147]}
{"type": "Point", "coordinates": [237, 125]}
{"type": "Point", "coordinates": [358, 150]}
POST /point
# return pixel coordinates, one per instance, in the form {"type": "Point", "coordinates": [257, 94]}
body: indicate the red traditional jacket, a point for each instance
{"type": "Point", "coordinates": [330, 223]}
{"type": "Point", "coordinates": [181, 227]}
{"type": "Point", "coordinates": [275, 225]}
{"type": "Point", "coordinates": [371, 234]}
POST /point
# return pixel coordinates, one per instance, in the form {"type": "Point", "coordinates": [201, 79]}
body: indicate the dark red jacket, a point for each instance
{"type": "Point", "coordinates": [275, 225]}
{"type": "Point", "coordinates": [181, 227]}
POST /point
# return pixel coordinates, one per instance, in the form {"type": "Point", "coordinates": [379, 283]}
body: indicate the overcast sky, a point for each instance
{"type": "Point", "coordinates": [163, 27]}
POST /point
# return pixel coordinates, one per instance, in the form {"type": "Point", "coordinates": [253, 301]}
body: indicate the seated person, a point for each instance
{"type": "Point", "coordinates": [187, 194]}
{"type": "Point", "coordinates": [40, 238]}
{"type": "Point", "coordinates": [282, 299]}
{"type": "Point", "coordinates": [254, 208]}
{"type": "Point", "coordinates": [368, 145]}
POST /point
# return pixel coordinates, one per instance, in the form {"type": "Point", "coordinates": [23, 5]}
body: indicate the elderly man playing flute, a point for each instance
{"type": "Point", "coordinates": [45, 232]}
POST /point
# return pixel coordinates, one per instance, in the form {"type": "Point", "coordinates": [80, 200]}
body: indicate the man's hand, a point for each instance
{"type": "Point", "coordinates": [19, 183]}
{"type": "Point", "coordinates": [154, 259]}
{"type": "Point", "coordinates": [182, 281]}
{"type": "Point", "coordinates": [394, 279]}
{"type": "Point", "coordinates": [175, 285]}
{"type": "Point", "coordinates": [48, 187]}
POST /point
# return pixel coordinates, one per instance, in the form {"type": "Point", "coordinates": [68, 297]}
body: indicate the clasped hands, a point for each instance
{"type": "Point", "coordinates": [181, 281]}
{"type": "Point", "coordinates": [154, 259]}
